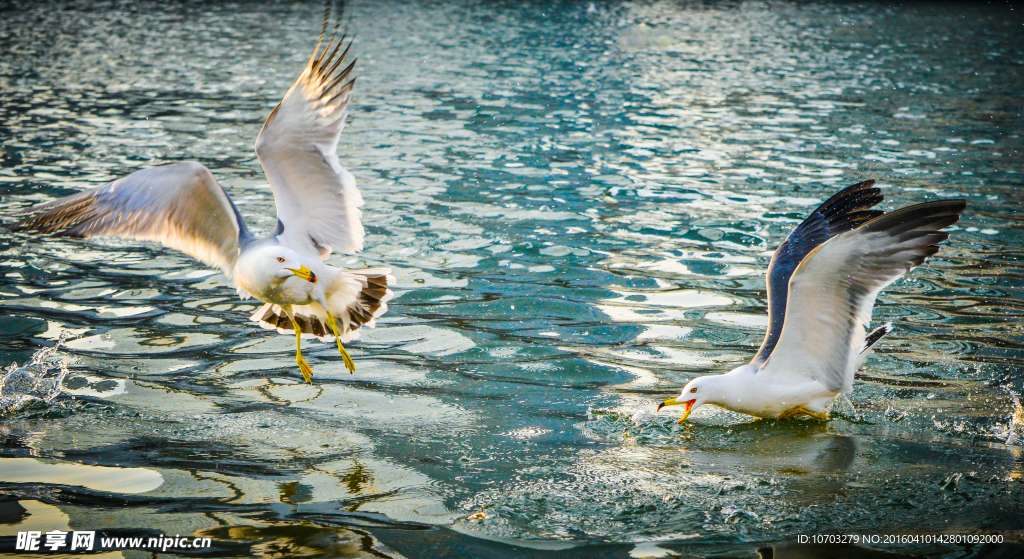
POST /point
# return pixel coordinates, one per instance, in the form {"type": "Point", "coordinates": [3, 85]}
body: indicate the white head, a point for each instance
{"type": "Point", "coordinates": [270, 266]}
{"type": "Point", "coordinates": [699, 391]}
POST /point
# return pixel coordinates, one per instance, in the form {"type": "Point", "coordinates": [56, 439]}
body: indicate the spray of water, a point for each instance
{"type": "Point", "coordinates": [1015, 430]}
{"type": "Point", "coordinates": [41, 379]}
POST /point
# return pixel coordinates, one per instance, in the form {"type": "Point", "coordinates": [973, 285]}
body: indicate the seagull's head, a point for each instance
{"type": "Point", "coordinates": [696, 392]}
{"type": "Point", "coordinates": [275, 264]}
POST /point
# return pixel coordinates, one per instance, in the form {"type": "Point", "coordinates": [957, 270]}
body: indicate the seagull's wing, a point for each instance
{"type": "Point", "coordinates": [317, 199]}
{"type": "Point", "coordinates": [833, 290]}
{"type": "Point", "coordinates": [178, 204]}
{"type": "Point", "coordinates": [846, 210]}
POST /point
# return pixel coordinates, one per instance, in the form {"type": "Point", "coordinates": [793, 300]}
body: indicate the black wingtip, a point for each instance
{"type": "Point", "coordinates": [935, 215]}
{"type": "Point", "coordinates": [851, 190]}
{"type": "Point", "coordinates": [855, 198]}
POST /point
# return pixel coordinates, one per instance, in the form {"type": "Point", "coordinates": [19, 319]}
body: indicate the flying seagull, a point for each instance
{"type": "Point", "coordinates": [822, 285]}
{"type": "Point", "coordinates": [184, 207]}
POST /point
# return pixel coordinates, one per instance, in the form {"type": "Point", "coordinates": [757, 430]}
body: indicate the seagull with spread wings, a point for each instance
{"type": "Point", "coordinates": [182, 206]}
{"type": "Point", "coordinates": [822, 285]}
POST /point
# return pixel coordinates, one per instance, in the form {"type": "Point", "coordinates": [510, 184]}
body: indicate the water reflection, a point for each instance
{"type": "Point", "coordinates": [97, 478]}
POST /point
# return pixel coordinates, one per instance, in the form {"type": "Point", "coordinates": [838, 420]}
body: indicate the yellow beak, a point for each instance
{"type": "Point", "coordinates": [304, 273]}
{"type": "Point", "coordinates": [675, 402]}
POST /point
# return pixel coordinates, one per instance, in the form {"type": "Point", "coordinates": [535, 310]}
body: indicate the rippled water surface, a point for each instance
{"type": "Point", "coordinates": [578, 201]}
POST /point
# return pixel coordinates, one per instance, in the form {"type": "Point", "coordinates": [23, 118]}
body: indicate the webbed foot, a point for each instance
{"type": "Point", "coordinates": [307, 372]}
{"type": "Point", "coordinates": [349, 364]}
{"type": "Point", "coordinates": [800, 410]}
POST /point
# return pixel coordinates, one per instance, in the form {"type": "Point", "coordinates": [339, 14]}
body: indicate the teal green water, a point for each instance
{"type": "Point", "coordinates": [578, 204]}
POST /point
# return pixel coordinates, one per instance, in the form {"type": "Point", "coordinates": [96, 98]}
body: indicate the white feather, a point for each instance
{"type": "Point", "coordinates": [317, 199]}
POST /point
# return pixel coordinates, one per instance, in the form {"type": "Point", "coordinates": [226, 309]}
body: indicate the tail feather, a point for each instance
{"type": "Point", "coordinates": [373, 297]}
{"type": "Point", "coordinates": [876, 335]}
{"type": "Point", "coordinates": [870, 341]}
{"type": "Point", "coordinates": [369, 303]}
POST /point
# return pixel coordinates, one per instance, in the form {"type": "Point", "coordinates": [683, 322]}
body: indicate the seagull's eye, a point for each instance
{"type": "Point", "coordinates": [692, 390]}
{"type": "Point", "coordinates": [280, 259]}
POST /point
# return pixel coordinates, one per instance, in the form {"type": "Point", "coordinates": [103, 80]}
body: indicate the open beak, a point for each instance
{"type": "Point", "coordinates": [304, 273]}
{"type": "Point", "coordinates": [675, 402]}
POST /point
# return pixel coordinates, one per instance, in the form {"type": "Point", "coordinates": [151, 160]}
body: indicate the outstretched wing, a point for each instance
{"type": "Point", "coordinates": [833, 290]}
{"type": "Point", "coordinates": [840, 213]}
{"type": "Point", "coordinates": [317, 199]}
{"type": "Point", "coordinates": [178, 204]}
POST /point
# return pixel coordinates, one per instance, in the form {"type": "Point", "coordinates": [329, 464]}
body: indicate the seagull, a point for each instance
{"type": "Point", "coordinates": [822, 284]}
{"type": "Point", "coordinates": [182, 206]}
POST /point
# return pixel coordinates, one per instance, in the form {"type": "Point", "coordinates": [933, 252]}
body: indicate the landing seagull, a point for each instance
{"type": "Point", "coordinates": [182, 206]}
{"type": "Point", "coordinates": [822, 284]}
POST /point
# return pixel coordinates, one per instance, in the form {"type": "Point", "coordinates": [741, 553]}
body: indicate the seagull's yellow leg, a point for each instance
{"type": "Point", "coordinates": [800, 410]}
{"type": "Point", "coordinates": [307, 373]}
{"type": "Point", "coordinates": [823, 416]}
{"type": "Point", "coordinates": [349, 364]}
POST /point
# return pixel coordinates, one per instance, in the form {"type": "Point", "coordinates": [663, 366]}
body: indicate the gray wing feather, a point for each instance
{"type": "Point", "coordinates": [833, 291]}
{"type": "Point", "coordinates": [317, 199]}
{"type": "Point", "coordinates": [179, 204]}
{"type": "Point", "coordinates": [844, 211]}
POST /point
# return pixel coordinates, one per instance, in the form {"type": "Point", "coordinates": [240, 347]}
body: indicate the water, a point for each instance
{"type": "Point", "coordinates": [41, 380]}
{"type": "Point", "coordinates": [578, 205]}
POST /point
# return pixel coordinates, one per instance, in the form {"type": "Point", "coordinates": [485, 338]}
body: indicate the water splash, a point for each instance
{"type": "Point", "coordinates": [1014, 431]}
{"type": "Point", "coordinates": [40, 380]}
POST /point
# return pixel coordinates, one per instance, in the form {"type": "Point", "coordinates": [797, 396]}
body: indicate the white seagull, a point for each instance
{"type": "Point", "coordinates": [822, 285]}
{"type": "Point", "coordinates": [182, 206]}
